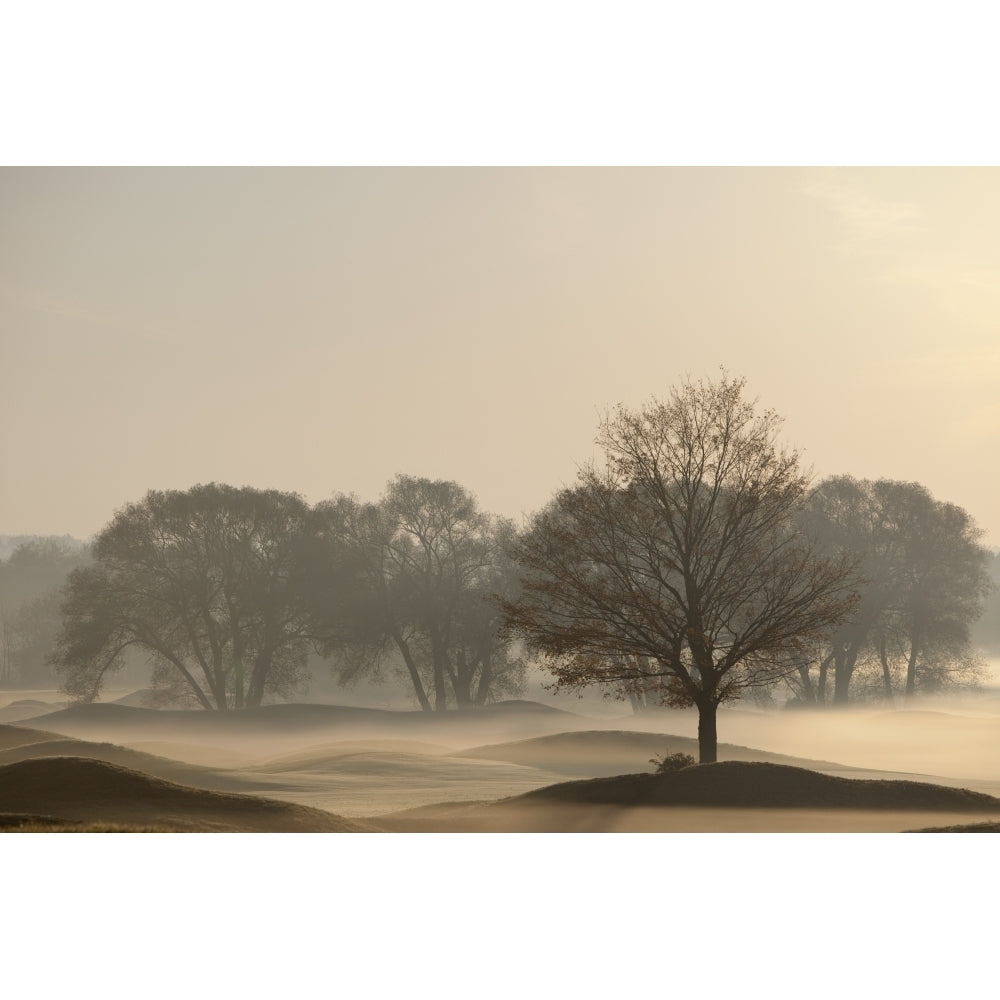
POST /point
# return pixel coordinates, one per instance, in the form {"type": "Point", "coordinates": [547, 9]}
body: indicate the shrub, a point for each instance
{"type": "Point", "coordinates": [672, 762]}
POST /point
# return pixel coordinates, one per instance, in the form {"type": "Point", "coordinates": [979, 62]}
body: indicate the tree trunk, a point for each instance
{"type": "Point", "coordinates": [843, 668]}
{"type": "Point", "coordinates": [438, 654]}
{"type": "Point", "coordinates": [808, 691]}
{"type": "Point", "coordinates": [635, 700]}
{"type": "Point", "coordinates": [239, 681]}
{"type": "Point", "coordinates": [239, 676]}
{"type": "Point", "coordinates": [886, 674]}
{"type": "Point", "coordinates": [411, 667]}
{"type": "Point", "coordinates": [841, 683]}
{"type": "Point", "coordinates": [192, 683]}
{"type": "Point", "coordinates": [255, 693]}
{"type": "Point", "coordinates": [708, 735]}
{"type": "Point", "coordinates": [485, 680]}
{"type": "Point", "coordinates": [461, 680]}
{"type": "Point", "coordinates": [824, 667]}
{"type": "Point", "coordinates": [911, 669]}
{"type": "Point", "coordinates": [215, 678]}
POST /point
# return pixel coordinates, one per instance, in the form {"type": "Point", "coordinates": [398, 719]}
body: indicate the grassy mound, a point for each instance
{"type": "Point", "coordinates": [963, 828]}
{"type": "Point", "coordinates": [760, 785]}
{"type": "Point", "coordinates": [17, 736]}
{"type": "Point", "coordinates": [80, 790]}
{"type": "Point", "coordinates": [110, 753]}
{"type": "Point", "coordinates": [610, 753]}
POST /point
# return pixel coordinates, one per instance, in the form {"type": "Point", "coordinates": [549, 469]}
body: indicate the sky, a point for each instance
{"type": "Point", "coordinates": [320, 330]}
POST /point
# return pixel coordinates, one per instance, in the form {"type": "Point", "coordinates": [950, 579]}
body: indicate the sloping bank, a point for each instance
{"type": "Point", "coordinates": [736, 784]}
{"type": "Point", "coordinates": [81, 790]}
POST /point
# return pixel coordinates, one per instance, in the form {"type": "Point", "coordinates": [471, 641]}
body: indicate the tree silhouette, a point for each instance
{"type": "Point", "coordinates": [679, 560]}
{"type": "Point", "coordinates": [205, 582]}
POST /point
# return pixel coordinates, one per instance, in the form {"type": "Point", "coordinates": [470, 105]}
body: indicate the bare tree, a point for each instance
{"type": "Point", "coordinates": [679, 560]}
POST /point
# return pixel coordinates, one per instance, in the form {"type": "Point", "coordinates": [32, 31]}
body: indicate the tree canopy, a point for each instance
{"type": "Point", "coordinates": [205, 583]}
{"type": "Point", "coordinates": [425, 560]}
{"type": "Point", "coordinates": [923, 581]}
{"type": "Point", "coordinates": [679, 562]}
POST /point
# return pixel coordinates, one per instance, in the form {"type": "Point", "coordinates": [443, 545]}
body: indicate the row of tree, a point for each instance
{"type": "Point", "coordinates": [695, 565]}
{"type": "Point", "coordinates": [226, 590]}
{"type": "Point", "coordinates": [922, 579]}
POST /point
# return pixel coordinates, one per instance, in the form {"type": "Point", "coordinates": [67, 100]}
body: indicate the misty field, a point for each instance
{"type": "Point", "coordinates": [517, 766]}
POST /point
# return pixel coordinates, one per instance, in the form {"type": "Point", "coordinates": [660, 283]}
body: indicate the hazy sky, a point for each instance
{"type": "Point", "coordinates": [320, 330]}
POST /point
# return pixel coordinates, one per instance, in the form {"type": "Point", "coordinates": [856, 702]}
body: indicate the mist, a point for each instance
{"type": "Point", "coordinates": [399, 770]}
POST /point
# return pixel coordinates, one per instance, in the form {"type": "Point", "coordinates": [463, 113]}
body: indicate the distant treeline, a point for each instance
{"type": "Point", "coordinates": [10, 543]}
{"type": "Point", "coordinates": [423, 617]}
{"type": "Point", "coordinates": [227, 590]}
